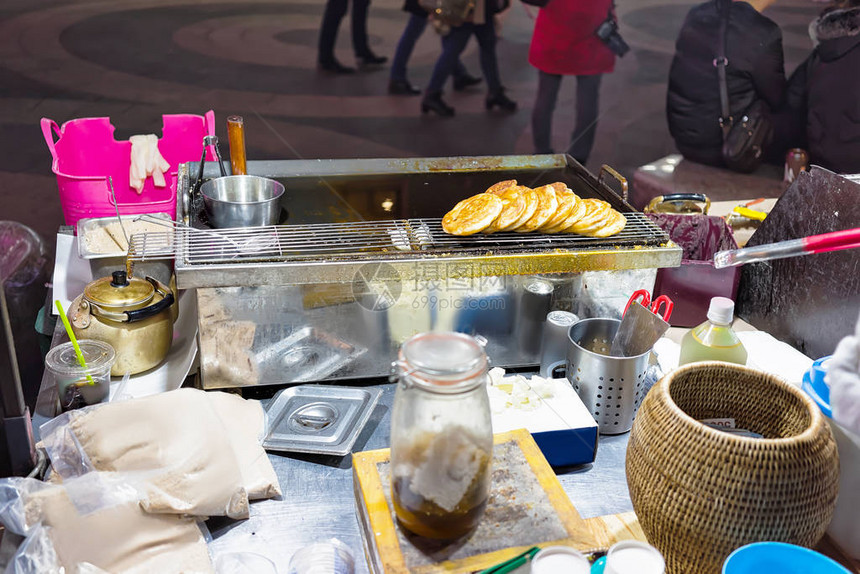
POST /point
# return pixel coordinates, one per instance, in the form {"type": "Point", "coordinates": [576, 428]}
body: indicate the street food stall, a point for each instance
{"type": "Point", "coordinates": [389, 365]}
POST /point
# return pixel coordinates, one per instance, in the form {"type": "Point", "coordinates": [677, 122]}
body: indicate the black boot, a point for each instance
{"type": "Point", "coordinates": [465, 81]}
{"type": "Point", "coordinates": [334, 67]}
{"type": "Point", "coordinates": [434, 103]}
{"type": "Point", "coordinates": [402, 88]}
{"type": "Point", "coordinates": [502, 101]}
{"type": "Point", "coordinates": [370, 60]}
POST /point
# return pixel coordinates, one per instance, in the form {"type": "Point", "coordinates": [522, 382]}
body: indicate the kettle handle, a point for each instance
{"type": "Point", "coordinates": [151, 311]}
{"type": "Point", "coordinates": [166, 301]}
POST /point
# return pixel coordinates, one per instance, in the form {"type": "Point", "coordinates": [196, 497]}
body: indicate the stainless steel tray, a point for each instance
{"type": "Point", "coordinates": [101, 237]}
{"type": "Point", "coordinates": [307, 355]}
{"type": "Point", "coordinates": [320, 419]}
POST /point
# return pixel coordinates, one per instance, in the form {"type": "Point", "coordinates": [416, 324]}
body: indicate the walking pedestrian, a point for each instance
{"type": "Point", "coordinates": [482, 25]}
{"type": "Point", "coordinates": [398, 83]}
{"type": "Point", "coordinates": [334, 12]}
{"type": "Point", "coordinates": [564, 43]}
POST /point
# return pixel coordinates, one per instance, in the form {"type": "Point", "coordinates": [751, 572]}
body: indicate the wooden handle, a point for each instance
{"type": "Point", "coordinates": [236, 139]}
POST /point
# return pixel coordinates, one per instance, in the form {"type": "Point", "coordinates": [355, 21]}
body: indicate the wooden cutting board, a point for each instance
{"type": "Point", "coordinates": [527, 507]}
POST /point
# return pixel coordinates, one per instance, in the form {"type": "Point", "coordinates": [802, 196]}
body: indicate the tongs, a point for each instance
{"type": "Point", "coordinates": [834, 241]}
{"type": "Point", "coordinates": [209, 141]}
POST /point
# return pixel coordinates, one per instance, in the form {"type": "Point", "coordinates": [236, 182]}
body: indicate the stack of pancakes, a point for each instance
{"type": "Point", "coordinates": [552, 208]}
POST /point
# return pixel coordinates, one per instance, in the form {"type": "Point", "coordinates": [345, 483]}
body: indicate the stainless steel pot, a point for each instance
{"type": "Point", "coordinates": [135, 316]}
{"type": "Point", "coordinates": [242, 201]}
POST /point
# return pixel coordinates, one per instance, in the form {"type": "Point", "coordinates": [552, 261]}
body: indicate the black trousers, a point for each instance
{"type": "Point", "coordinates": [335, 10]}
{"type": "Point", "coordinates": [587, 108]}
{"type": "Point", "coordinates": [453, 44]}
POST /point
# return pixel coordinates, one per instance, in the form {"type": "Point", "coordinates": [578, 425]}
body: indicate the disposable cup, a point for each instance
{"type": "Point", "coordinates": [74, 388]}
{"type": "Point", "coordinates": [330, 557]}
{"type": "Point", "coordinates": [555, 559]}
{"type": "Point", "coordinates": [634, 557]}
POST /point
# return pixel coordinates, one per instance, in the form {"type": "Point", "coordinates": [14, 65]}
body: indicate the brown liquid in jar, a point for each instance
{"type": "Point", "coordinates": [424, 517]}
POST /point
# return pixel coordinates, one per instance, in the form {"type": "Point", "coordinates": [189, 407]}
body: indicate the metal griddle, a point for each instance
{"type": "Point", "coordinates": [361, 261]}
{"type": "Point", "coordinates": [329, 244]}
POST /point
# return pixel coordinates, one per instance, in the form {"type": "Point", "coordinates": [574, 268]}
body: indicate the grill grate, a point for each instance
{"type": "Point", "coordinates": [349, 241]}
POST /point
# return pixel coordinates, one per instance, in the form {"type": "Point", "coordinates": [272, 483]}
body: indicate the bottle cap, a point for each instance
{"type": "Point", "coordinates": [721, 310]}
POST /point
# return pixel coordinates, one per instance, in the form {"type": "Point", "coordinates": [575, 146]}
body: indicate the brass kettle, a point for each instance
{"type": "Point", "coordinates": [685, 203]}
{"type": "Point", "coordinates": [135, 316]}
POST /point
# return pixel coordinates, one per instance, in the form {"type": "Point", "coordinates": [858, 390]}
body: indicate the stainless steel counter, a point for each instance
{"type": "Point", "coordinates": [318, 502]}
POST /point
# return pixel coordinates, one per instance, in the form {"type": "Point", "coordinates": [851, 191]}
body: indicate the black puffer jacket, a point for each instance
{"type": "Point", "coordinates": [755, 70]}
{"type": "Point", "coordinates": [833, 105]}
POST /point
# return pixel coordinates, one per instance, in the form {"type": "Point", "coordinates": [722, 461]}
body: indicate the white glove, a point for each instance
{"type": "Point", "coordinates": [146, 161]}
{"type": "Point", "coordinates": [137, 168]}
{"type": "Point", "coordinates": [843, 376]}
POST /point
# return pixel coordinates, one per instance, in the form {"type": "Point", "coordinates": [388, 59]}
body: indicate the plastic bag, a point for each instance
{"type": "Point", "coordinates": [95, 523]}
{"type": "Point", "coordinates": [246, 421]}
{"type": "Point", "coordinates": [174, 445]}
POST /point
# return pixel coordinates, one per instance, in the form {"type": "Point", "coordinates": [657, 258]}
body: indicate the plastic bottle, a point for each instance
{"type": "Point", "coordinates": [714, 340]}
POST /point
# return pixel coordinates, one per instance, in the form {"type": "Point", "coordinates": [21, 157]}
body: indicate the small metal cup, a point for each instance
{"type": "Point", "coordinates": [242, 201]}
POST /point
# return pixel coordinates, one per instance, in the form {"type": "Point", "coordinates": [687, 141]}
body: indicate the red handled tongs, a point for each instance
{"type": "Point", "coordinates": [834, 241]}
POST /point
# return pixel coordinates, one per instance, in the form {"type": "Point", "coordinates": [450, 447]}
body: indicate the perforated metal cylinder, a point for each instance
{"type": "Point", "coordinates": [610, 387]}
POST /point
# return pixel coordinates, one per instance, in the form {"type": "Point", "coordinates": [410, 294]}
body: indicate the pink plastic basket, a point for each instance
{"type": "Point", "coordinates": [85, 153]}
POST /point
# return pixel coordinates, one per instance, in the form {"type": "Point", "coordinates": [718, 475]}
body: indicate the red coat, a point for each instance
{"type": "Point", "coordinates": [564, 41]}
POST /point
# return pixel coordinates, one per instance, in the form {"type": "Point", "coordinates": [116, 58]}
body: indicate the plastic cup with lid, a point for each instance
{"type": "Point", "coordinates": [634, 557]}
{"type": "Point", "coordinates": [556, 559]}
{"type": "Point", "coordinates": [74, 388]}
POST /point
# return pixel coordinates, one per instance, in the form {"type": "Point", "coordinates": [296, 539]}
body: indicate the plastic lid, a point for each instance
{"type": "Point", "coordinates": [721, 310]}
{"type": "Point", "coordinates": [554, 559]}
{"type": "Point", "coordinates": [98, 356]}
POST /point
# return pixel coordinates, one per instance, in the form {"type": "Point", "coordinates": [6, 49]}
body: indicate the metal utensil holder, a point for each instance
{"type": "Point", "coordinates": [610, 387]}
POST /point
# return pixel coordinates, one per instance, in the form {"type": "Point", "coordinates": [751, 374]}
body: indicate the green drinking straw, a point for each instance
{"type": "Point", "coordinates": [72, 338]}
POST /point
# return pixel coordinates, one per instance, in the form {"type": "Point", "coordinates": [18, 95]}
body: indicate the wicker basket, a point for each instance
{"type": "Point", "coordinates": [701, 493]}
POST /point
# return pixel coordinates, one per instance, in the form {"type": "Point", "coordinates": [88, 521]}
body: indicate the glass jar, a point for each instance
{"type": "Point", "coordinates": [441, 435]}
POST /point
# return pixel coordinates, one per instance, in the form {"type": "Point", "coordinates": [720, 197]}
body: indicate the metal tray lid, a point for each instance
{"type": "Point", "coordinates": [322, 419]}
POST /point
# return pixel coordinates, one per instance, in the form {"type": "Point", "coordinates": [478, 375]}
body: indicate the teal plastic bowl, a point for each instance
{"type": "Point", "coordinates": [773, 557]}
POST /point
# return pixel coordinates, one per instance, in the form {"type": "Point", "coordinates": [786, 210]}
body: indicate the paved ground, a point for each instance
{"type": "Point", "coordinates": [135, 61]}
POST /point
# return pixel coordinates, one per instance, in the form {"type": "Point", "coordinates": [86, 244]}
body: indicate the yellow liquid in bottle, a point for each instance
{"type": "Point", "coordinates": [712, 342]}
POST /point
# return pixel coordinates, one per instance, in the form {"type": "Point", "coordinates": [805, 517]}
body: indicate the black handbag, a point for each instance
{"type": "Point", "coordinates": [746, 137]}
